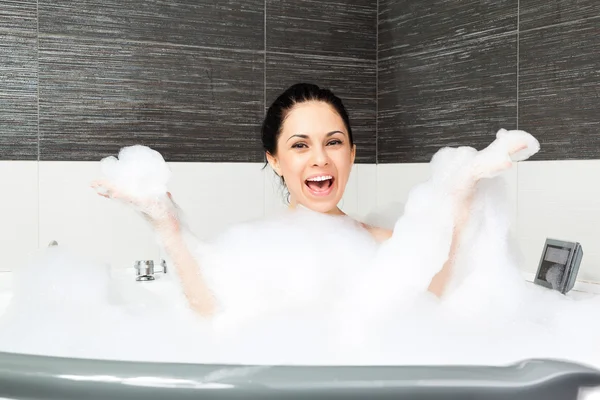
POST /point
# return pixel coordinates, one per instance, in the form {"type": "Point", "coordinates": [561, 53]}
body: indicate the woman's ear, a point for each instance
{"type": "Point", "coordinates": [274, 163]}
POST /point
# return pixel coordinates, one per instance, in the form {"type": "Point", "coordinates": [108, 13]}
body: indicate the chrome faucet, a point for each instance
{"type": "Point", "coordinates": [145, 270]}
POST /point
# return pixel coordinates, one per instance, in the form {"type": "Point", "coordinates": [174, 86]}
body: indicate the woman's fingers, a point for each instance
{"type": "Point", "coordinates": [517, 148]}
{"type": "Point", "coordinates": [106, 189]}
{"type": "Point", "coordinates": [101, 187]}
{"type": "Point", "coordinates": [153, 209]}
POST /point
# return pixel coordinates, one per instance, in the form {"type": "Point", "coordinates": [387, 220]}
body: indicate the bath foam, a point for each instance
{"type": "Point", "coordinates": [139, 170]}
{"type": "Point", "coordinates": [303, 261]}
{"type": "Point", "coordinates": [311, 289]}
{"type": "Point", "coordinates": [65, 304]}
{"type": "Point", "coordinates": [138, 178]}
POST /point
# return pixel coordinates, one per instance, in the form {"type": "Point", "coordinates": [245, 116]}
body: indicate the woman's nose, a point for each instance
{"type": "Point", "coordinates": [320, 157]}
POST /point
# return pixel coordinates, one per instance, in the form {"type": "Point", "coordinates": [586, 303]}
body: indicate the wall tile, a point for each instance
{"type": "Point", "coordinates": [191, 104]}
{"type": "Point", "coordinates": [413, 26]}
{"type": "Point", "coordinates": [349, 202]}
{"type": "Point", "coordinates": [18, 80]}
{"type": "Point", "coordinates": [92, 226]}
{"type": "Point", "coordinates": [558, 89]}
{"type": "Point", "coordinates": [6, 285]}
{"type": "Point", "coordinates": [315, 27]}
{"type": "Point", "coordinates": [395, 181]}
{"type": "Point", "coordinates": [539, 13]}
{"type": "Point", "coordinates": [18, 213]}
{"type": "Point", "coordinates": [352, 80]}
{"type": "Point", "coordinates": [215, 196]}
{"type": "Point", "coordinates": [545, 175]}
{"type": "Point", "coordinates": [511, 181]}
{"type": "Point", "coordinates": [367, 189]}
{"type": "Point", "coordinates": [446, 97]}
{"type": "Point", "coordinates": [222, 24]}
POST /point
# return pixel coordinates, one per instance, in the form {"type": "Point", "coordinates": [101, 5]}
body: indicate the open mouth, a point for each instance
{"type": "Point", "coordinates": [320, 185]}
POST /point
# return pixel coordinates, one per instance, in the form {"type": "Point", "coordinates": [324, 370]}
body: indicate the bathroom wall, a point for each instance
{"type": "Point", "coordinates": [79, 80]}
{"type": "Point", "coordinates": [453, 73]}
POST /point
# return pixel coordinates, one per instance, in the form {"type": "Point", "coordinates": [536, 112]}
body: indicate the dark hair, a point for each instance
{"type": "Point", "coordinates": [281, 107]}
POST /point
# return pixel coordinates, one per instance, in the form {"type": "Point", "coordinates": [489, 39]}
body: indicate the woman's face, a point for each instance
{"type": "Point", "coordinates": [314, 156]}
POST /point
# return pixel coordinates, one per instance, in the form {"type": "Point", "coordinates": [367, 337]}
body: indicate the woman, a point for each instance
{"type": "Point", "coordinates": [308, 142]}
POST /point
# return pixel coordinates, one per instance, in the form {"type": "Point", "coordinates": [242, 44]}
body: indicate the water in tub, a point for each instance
{"type": "Point", "coordinates": [307, 288]}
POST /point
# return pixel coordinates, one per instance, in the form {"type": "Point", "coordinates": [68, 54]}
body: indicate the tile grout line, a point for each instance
{"type": "Point", "coordinates": [518, 55]}
{"type": "Point", "coordinates": [37, 12]}
{"type": "Point", "coordinates": [265, 57]}
{"type": "Point", "coordinates": [358, 212]}
{"type": "Point", "coordinates": [264, 95]}
{"type": "Point", "coordinates": [377, 83]}
{"type": "Point", "coordinates": [377, 112]}
{"type": "Point", "coordinates": [518, 166]}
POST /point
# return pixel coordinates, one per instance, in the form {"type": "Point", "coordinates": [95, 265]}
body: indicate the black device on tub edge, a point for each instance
{"type": "Point", "coordinates": [559, 265]}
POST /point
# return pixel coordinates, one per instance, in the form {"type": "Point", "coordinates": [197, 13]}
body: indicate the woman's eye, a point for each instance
{"type": "Point", "coordinates": [298, 145]}
{"type": "Point", "coordinates": [335, 142]}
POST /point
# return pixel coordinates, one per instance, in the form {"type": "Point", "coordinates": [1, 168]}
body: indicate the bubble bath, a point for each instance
{"type": "Point", "coordinates": [304, 288]}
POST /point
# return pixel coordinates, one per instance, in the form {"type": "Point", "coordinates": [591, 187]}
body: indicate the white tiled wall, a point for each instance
{"type": "Point", "coordinates": [53, 201]}
{"type": "Point", "coordinates": [18, 212]}
{"type": "Point", "coordinates": [76, 217]}
{"type": "Point", "coordinates": [215, 196]}
{"type": "Point", "coordinates": [366, 177]}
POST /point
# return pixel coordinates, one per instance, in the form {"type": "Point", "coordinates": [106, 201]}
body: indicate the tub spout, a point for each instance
{"type": "Point", "coordinates": [145, 270]}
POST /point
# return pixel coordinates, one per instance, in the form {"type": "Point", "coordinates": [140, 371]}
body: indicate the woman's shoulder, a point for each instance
{"type": "Point", "coordinates": [379, 234]}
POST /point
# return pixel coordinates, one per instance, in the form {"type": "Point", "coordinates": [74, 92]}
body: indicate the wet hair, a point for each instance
{"type": "Point", "coordinates": [281, 107]}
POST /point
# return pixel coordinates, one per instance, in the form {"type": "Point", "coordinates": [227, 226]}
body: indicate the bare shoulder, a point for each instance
{"type": "Point", "coordinates": [379, 234]}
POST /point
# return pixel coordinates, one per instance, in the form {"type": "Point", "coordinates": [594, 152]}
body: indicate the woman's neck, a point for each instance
{"type": "Point", "coordinates": [334, 211]}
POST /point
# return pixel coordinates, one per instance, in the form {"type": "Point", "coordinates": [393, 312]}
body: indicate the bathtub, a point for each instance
{"type": "Point", "coordinates": [41, 377]}
{"type": "Point", "coordinates": [35, 377]}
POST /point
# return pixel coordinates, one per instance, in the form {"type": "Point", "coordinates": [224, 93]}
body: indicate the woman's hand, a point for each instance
{"type": "Point", "coordinates": [160, 211]}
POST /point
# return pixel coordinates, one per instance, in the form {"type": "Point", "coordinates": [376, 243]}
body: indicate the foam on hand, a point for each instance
{"type": "Point", "coordinates": [305, 288]}
{"type": "Point", "coordinates": [512, 138]}
{"type": "Point", "coordinates": [138, 170]}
